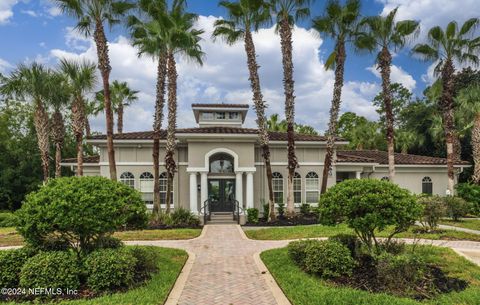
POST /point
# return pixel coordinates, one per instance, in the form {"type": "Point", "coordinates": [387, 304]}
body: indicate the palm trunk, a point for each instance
{"type": "Point", "coordinates": [448, 120]}
{"type": "Point", "coordinates": [157, 125]}
{"type": "Point", "coordinates": [170, 164]}
{"type": "Point", "coordinates": [341, 56]}
{"type": "Point", "coordinates": [259, 105]}
{"type": "Point", "coordinates": [476, 148]}
{"type": "Point", "coordinates": [288, 84]}
{"type": "Point", "coordinates": [120, 118]}
{"type": "Point", "coordinates": [104, 67]}
{"type": "Point", "coordinates": [385, 64]}
{"type": "Point", "coordinates": [78, 121]}
{"type": "Point", "coordinates": [58, 133]}
{"type": "Point", "coordinates": [43, 130]}
{"type": "Point", "coordinates": [88, 131]}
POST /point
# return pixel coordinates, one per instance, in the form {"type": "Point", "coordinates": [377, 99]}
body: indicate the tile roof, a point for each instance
{"type": "Point", "coordinates": [274, 136]}
{"type": "Point", "coordinates": [86, 159]}
{"type": "Point", "coordinates": [381, 157]}
{"type": "Point", "coordinates": [220, 105]}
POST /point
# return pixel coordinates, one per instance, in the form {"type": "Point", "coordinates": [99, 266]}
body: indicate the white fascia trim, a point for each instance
{"type": "Point", "coordinates": [139, 163]}
{"type": "Point", "coordinates": [221, 108]}
{"type": "Point", "coordinates": [220, 122]}
{"type": "Point", "coordinates": [299, 163]}
{"type": "Point", "coordinates": [197, 169]}
{"type": "Point", "coordinates": [216, 135]}
{"type": "Point", "coordinates": [84, 164]}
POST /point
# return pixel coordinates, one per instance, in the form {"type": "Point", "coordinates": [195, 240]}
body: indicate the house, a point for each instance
{"type": "Point", "coordinates": [220, 159]}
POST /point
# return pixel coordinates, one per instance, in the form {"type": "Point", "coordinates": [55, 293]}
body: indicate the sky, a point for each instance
{"type": "Point", "coordinates": [36, 30]}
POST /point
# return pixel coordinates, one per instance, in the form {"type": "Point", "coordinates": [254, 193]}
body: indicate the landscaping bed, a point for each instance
{"type": "Point", "coordinates": [472, 224]}
{"type": "Point", "coordinates": [281, 221]}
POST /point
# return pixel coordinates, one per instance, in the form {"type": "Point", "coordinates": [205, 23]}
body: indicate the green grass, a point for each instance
{"type": "Point", "coordinates": [473, 224]}
{"type": "Point", "coordinates": [304, 289]}
{"type": "Point", "coordinates": [297, 232]}
{"type": "Point", "coordinates": [155, 291]}
{"type": "Point", "coordinates": [9, 237]}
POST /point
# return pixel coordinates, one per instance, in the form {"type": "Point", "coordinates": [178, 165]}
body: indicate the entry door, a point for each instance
{"type": "Point", "coordinates": [221, 193]}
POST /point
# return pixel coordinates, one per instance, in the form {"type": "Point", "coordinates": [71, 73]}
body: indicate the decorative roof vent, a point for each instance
{"type": "Point", "coordinates": [232, 115]}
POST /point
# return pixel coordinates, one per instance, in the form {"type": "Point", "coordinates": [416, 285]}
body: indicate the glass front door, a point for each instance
{"type": "Point", "coordinates": [221, 193]}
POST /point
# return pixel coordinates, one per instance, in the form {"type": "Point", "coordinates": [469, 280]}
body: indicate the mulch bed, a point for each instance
{"type": "Point", "coordinates": [283, 221]}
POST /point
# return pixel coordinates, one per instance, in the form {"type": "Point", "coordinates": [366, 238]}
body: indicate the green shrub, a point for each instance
{"type": "Point", "coordinates": [297, 251]}
{"type": "Point", "coordinates": [394, 247]}
{"type": "Point", "coordinates": [456, 207]}
{"type": "Point", "coordinates": [369, 206]}
{"type": "Point", "coordinates": [11, 262]}
{"type": "Point", "coordinates": [328, 259]}
{"type": "Point", "coordinates": [471, 193]}
{"type": "Point", "coordinates": [56, 269]}
{"type": "Point", "coordinates": [7, 220]}
{"type": "Point", "coordinates": [184, 218]}
{"type": "Point", "coordinates": [78, 210]}
{"type": "Point", "coordinates": [434, 208]}
{"type": "Point", "coordinates": [252, 215]}
{"type": "Point", "coordinates": [107, 242]}
{"type": "Point", "coordinates": [281, 209]}
{"type": "Point", "coordinates": [348, 240]}
{"type": "Point", "coordinates": [146, 263]}
{"type": "Point", "coordinates": [305, 209]}
{"type": "Point", "coordinates": [109, 269]}
{"type": "Point", "coordinates": [265, 207]}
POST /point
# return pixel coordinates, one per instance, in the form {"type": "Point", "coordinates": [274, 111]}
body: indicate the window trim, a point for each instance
{"type": "Point", "coordinates": [297, 177]}
{"type": "Point", "coordinates": [279, 176]}
{"type": "Point", "coordinates": [427, 182]}
{"type": "Point", "coordinates": [308, 176]}
{"type": "Point", "coordinates": [130, 178]}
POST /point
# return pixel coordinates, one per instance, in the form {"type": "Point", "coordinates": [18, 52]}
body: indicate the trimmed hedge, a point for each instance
{"type": "Point", "coordinates": [7, 220]}
{"type": "Point", "coordinates": [298, 251]}
{"type": "Point", "coordinates": [11, 262]}
{"type": "Point", "coordinates": [328, 259]}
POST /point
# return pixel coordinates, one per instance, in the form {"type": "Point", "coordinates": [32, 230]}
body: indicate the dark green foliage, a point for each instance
{"type": "Point", "coordinates": [394, 247]}
{"type": "Point", "coordinates": [146, 263]}
{"type": "Point", "coordinates": [252, 215]}
{"type": "Point", "coordinates": [56, 269]}
{"type": "Point", "coordinates": [265, 207]}
{"type": "Point", "coordinates": [11, 262]}
{"type": "Point", "coordinates": [369, 206]}
{"type": "Point", "coordinates": [7, 220]}
{"type": "Point", "coordinates": [78, 210]}
{"type": "Point", "coordinates": [305, 209]}
{"type": "Point", "coordinates": [328, 259]}
{"type": "Point", "coordinates": [184, 218]}
{"type": "Point", "coordinates": [348, 240]}
{"type": "Point", "coordinates": [281, 209]}
{"type": "Point", "coordinates": [109, 269]}
{"type": "Point", "coordinates": [107, 242]}
{"type": "Point", "coordinates": [297, 251]}
{"type": "Point", "coordinates": [434, 208]}
{"type": "Point", "coordinates": [471, 193]}
{"type": "Point", "coordinates": [456, 207]}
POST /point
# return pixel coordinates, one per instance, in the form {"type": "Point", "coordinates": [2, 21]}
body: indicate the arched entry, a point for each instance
{"type": "Point", "coordinates": [221, 182]}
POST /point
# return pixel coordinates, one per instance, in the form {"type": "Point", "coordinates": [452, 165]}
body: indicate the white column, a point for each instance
{"type": "Point", "coordinates": [249, 190]}
{"type": "Point", "coordinates": [239, 188]}
{"type": "Point", "coordinates": [358, 175]}
{"type": "Point", "coordinates": [203, 188]}
{"type": "Point", "coordinates": [193, 193]}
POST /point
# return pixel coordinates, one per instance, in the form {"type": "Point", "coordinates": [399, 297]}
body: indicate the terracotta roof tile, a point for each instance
{"type": "Point", "coordinates": [381, 157]}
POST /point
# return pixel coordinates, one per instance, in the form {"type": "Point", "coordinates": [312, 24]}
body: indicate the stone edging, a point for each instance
{"type": "Point", "coordinates": [276, 291]}
{"type": "Point", "coordinates": [176, 292]}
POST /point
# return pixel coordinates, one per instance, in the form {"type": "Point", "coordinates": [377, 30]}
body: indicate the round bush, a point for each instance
{"type": "Point", "coordinates": [471, 193]}
{"type": "Point", "coordinates": [328, 259]}
{"type": "Point", "coordinates": [456, 207]}
{"type": "Point", "coordinates": [109, 269]}
{"type": "Point", "coordinates": [369, 205]}
{"type": "Point", "coordinates": [252, 215]}
{"type": "Point", "coordinates": [348, 240]}
{"type": "Point", "coordinates": [146, 262]}
{"type": "Point", "coordinates": [297, 251]}
{"type": "Point", "coordinates": [79, 210]}
{"type": "Point", "coordinates": [434, 208]}
{"type": "Point", "coordinates": [184, 218]}
{"type": "Point", "coordinates": [11, 262]}
{"type": "Point", "coordinates": [51, 270]}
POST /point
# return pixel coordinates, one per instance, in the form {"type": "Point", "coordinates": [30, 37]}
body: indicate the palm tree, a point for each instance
{"type": "Point", "coordinates": [446, 46]}
{"type": "Point", "coordinates": [274, 124]}
{"type": "Point", "coordinates": [383, 35]}
{"type": "Point", "coordinates": [91, 16]}
{"type": "Point", "coordinates": [339, 23]}
{"type": "Point", "coordinates": [149, 37]}
{"type": "Point", "coordinates": [244, 17]}
{"type": "Point", "coordinates": [81, 79]}
{"type": "Point", "coordinates": [121, 96]}
{"type": "Point", "coordinates": [406, 139]}
{"type": "Point", "coordinates": [33, 83]}
{"type": "Point", "coordinates": [287, 12]}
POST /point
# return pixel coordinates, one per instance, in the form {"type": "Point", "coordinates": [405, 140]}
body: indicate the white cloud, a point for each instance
{"type": "Point", "coordinates": [398, 75]}
{"type": "Point", "coordinates": [4, 66]}
{"type": "Point", "coordinates": [30, 13]}
{"type": "Point", "coordinates": [224, 78]}
{"type": "Point", "coordinates": [6, 10]}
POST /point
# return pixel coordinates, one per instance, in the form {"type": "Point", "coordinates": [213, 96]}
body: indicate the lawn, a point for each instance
{"type": "Point", "coordinates": [473, 224]}
{"type": "Point", "coordinates": [155, 291]}
{"type": "Point", "coordinates": [304, 289]}
{"type": "Point", "coordinates": [9, 237]}
{"type": "Point", "coordinates": [326, 231]}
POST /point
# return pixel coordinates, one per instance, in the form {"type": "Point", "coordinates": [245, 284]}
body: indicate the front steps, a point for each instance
{"type": "Point", "coordinates": [221, 218]}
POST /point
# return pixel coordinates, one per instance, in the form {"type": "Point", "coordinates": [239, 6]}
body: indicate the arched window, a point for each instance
{"type": "Point", "coordinates": [221, 163]}
{"type": "Point", "coordinates": [385, 179]}
{"type": "Point", "coordinates": [427, 185]}
{"type": "Point", "coordinates": [146, 187]}
{"type": "Point", "coordinates": [277, 182]}
{"type": "Point", "coordinates": [311, 187]}
{"type": "Point", "coordinates": [163, 188]}
{"type": "Point", "coordinates": [128, 178]}
{"type": "Point", "coordinates": [297, 188]}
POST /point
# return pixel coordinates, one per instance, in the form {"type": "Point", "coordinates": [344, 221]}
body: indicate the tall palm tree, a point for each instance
{"type": "Point", "coordinates": [446, 46]}
{"type": "Point", "coordinates": [384, 34]}
{"type": "Point", "coordinates": [274, 124]}
{"type": "Point", "coordinates": [121, 96]}
{"type": "Point", "coordinates": [81, 79]}
{"type": "Point", "coordinates": [33, 83]}
{"type": "Point", "coordinates": [148, 36]}
{"type": "Point", "coordinates": [91, 16]}
{"type": "Point", "coordinates": [341, 24]}
{"type": "Point", "coordinates": [244, 17]}
{"type": "Point", "coordinates": [180, 39]}
{"type": "Point", "coordinates": [287, 12]}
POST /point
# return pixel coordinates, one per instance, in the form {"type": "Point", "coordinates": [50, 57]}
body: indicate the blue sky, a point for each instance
{"type": "Point", "coordinates": [36, 30]}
